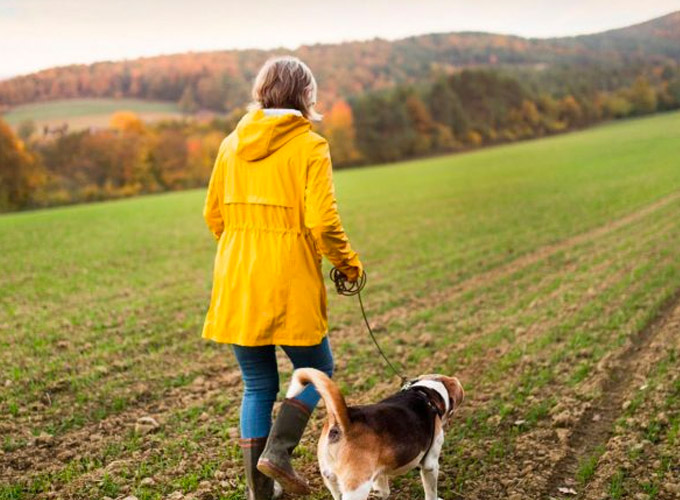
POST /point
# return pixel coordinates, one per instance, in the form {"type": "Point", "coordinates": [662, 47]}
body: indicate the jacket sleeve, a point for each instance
{"type": "Point", "coordinates": [211, 210]}
{"type": "Point", "coordinates": [321, 214]}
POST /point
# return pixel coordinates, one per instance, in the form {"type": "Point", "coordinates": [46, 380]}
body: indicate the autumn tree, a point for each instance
{"type": "Point", "coordinates": [673, 91]}
{"type": "Point", "coordinates": [422, 124]}
{"type": "Point", "coordinates": [126, 121]}
{"type": "Point", "coordinates": [617, 106]}
{"type": "Point", "coordinates": [383, 128]}
{"type": "Point", "coordinates": [201, 153]}
{"type": "Point", "coordinates": [169, 158]}
{"type": "Point", "coordinates": [487, 97]}
{"type": "Point", "coordinates": [570, 111]}
{"type": "Point", "coordinates": [642, 96]}
{"type": "Point", "coordinates": [530, 114]}
{"type": "Point", "coordinates": [446, 108]}
{"type": "Point", "coordinates": [20, 173]}
{"type": "Point", "coordinates": [338, 127]}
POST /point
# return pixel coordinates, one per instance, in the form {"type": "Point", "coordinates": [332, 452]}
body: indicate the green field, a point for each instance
{"type": "Point", "coordinates": [84, 113]}
{"type": "Point", "coordinates": [545, 275]}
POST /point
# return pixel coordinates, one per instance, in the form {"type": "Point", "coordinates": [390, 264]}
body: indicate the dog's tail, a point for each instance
{"type": "Point", "coordinates": [331, 395]}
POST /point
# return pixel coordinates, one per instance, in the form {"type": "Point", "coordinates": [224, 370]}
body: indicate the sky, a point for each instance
{"type": "Point", "coordinates": [38, 34]}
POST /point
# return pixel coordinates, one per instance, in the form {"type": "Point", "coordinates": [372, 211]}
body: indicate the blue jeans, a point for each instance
{"type": "Point", "coordinates": [261, 381]}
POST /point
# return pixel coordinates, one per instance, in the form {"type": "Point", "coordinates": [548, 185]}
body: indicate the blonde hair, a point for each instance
{"type": "Point", "coordinates": [285, 82]}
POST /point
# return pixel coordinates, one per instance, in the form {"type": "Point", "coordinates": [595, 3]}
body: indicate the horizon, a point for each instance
{"type": "Point", "coordinates": [28, 60]}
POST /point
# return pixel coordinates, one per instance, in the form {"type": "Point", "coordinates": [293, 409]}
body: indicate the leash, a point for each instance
{"type": "Point", "coordinates": [348, 289]}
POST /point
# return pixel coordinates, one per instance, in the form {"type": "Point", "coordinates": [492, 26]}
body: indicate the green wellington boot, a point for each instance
{"type": "Point", "coordinates": [260, 487]}
{"type": "Point", "coordinates": [284, 436]}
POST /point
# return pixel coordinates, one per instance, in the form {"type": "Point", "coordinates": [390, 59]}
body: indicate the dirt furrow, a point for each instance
{"type": "Point", "coordinates": [642, 459]}
{"type": "Point", "coordinates": [594, 427]}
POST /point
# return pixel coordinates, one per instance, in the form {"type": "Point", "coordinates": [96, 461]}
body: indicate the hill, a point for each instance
{"type": "Point", "coordinates": [657, 38]}
{"type": "Point", "coordinates": [220, 80]}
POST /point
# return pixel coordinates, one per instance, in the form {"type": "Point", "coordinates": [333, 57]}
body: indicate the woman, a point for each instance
{"type": "Point", "coordinates": [272, 209]}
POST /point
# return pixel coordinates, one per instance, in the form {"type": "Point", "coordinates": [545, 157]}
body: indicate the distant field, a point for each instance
{"type": "Point", "coordinates": [83, 113]}
{"type": "Point", "coordinates": [543, 274]}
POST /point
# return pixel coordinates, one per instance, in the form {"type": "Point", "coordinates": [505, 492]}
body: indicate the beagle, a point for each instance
{"type": "Point", "coordinates": [362, 446]}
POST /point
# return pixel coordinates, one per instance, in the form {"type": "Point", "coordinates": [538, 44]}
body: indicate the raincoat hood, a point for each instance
{"type": "Point", "coordinates": [260, 133]}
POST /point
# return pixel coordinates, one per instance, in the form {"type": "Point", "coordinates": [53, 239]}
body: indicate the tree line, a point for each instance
{"type": "Point", "coordinates": [451, 112]}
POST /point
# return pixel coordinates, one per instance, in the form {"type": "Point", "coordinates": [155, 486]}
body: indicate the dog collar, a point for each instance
{"type": "Point", "coordinates": [426, 393]}
{"type": "Point", "coordinates": [436, 386]}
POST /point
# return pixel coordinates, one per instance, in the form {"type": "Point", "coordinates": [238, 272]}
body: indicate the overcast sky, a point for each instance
{"type": "Point", "coordinates": [37, 34]}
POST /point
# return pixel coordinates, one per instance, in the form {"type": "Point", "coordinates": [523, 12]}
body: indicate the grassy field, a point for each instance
{"type": "Point", "coordinates": [84, 113]}
{"type": "Point", "coordinates": [545, 275]}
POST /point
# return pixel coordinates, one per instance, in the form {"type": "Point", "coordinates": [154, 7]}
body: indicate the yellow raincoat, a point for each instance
{"type": "Point", "coordinates": [272, 208]}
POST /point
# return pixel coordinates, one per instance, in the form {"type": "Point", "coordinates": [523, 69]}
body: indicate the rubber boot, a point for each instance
{"type": "Point", "coordinates": [259, 486]}
{"type": "Point", "coordinates": [284, 436]}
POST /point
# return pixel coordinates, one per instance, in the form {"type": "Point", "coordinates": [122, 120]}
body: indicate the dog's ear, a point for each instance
{"type": "Point", "coordinates": [456, 392]}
